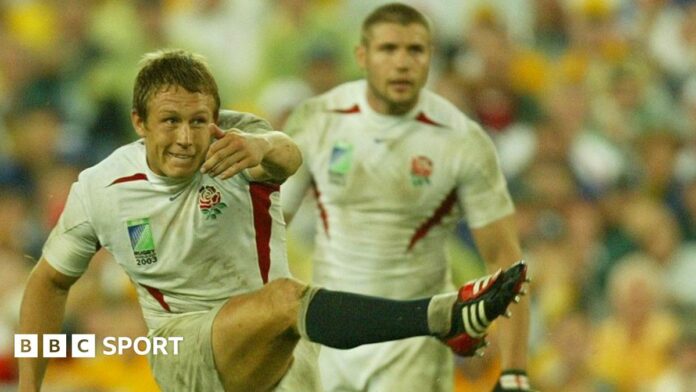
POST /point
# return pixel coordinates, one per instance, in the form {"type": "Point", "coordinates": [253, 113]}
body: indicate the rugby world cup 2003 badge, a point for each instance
{"type": "Point", "coordinates": [340, 162]}
{"type": "Point", "coordinates": [142, 241]}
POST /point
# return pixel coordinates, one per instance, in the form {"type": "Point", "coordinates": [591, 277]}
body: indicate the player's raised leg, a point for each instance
{"type": "Point", "coordinates": [254, 334]}
{"type": "Point", "coordinates": [346, 320]}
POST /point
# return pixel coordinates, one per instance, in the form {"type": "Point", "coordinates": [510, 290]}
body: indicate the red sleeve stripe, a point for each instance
{"type": "Point", "coordinates": [134, 177]}
{"type": "Point", "coordinates": [322, 210]}
{"type": "Point", "coordinates": [440, 213]}
{"type": "Point", "coordinates": [427, 120]}
{"type": "Point", "coordinates": [261, 204]}
{"type": "Point", "coordinates": [158, 296]}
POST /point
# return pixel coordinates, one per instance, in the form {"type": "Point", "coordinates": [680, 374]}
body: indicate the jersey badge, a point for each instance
{"type": "Point", "coordinates": [340, 162]}
{"type": "Point", "coordinates": [210, 202]}
{"type": "Point", "coordinates": [142, 241]}
{"type": "Point", "coordinates": [421, 169]}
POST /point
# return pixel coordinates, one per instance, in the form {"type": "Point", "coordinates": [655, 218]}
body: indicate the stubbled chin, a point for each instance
{"type": "Point", "coordinates": [404, 102]}
{"type": "Point", "coordinates": [180, 173]}
{"type": "Point", "coordinates": [404, 99]}
{"type": "Point", "coordinates": [181, 169]}
{"type": "Point", "coordinates": [402, 96]}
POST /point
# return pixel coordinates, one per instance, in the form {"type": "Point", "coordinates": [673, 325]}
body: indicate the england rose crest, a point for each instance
{"type": "Point", "coordinates": [210, 201]}
{"type": "Point", "coordinates": [421, 169]}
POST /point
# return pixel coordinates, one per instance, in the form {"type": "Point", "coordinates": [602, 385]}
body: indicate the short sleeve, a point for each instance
{"type": "Point", "coordinates": [293, 191]}
{"type": "Point", "coordinates": [73, 241]}
{"type": "Point", "coordinates": [300, 117]}
{"type": "Point", "coordinates": [246, 122]}
{"type": "Point", "coordinates": [301, 126]}
{"type": "Point", "coordinates": [482, 188]}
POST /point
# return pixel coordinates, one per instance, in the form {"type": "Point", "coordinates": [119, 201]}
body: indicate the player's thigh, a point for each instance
{"type": "Point", "coordinates": [192, 368]}
{"type": "Point", "coordinates": [254, 338]}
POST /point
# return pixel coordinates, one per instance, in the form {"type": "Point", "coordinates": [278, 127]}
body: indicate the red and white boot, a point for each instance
{"type": "Point", "coordinates": [479, 302]}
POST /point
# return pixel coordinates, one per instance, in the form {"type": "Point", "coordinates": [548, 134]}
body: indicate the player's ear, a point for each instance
{"type": "Point", "coordinates": [138, 123]}
{"type": "Point", "coordinates": [360, 52]}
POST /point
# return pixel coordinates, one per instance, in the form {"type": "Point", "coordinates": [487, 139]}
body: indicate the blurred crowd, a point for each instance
{"type": "Point", "coordinates": [591, 103]}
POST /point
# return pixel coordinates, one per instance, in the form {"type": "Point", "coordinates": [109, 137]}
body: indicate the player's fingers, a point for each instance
{"type": "Point", "coordinates": [215, 131]}
{"type": "Point", "coordinates": [236, 168]}
{"type": "Point", "coordinates": [220, 161]}
{"type": "Point", "coordinates": [231, 171]}
{"type": "Point", "coordinates": [219, 146]}
{"type": "Point", "coordinates": [210, 162]}
{"type": "Point", "coordinates": [237, 161]}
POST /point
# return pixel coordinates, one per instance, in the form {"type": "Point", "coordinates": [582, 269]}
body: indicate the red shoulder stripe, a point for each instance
{"type": "Point", "coordinates": [353, 109]}
{"type": "Point", "coordinates": [134, 177]}
{"type": "Point", "coordinates": [422, 117]}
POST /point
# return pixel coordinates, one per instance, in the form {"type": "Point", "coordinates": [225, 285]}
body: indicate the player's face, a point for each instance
{"type": "Point", "coordinates": [396, 60]}
{"type": "Point", "coordinates": [176, 131]}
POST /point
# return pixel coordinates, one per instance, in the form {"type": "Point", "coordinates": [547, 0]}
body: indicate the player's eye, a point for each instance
{"type": "Point", "coordinates": [388, 48]}
{"type": "Point", "coordinates": [199, 121]}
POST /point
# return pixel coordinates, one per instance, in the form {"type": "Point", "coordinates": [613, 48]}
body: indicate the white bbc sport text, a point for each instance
{"type": "Point", "coordinates": [84, 345]}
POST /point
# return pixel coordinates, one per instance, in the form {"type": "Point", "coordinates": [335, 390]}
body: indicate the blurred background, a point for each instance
{"type": "Point", "coordinates": [591, 103]}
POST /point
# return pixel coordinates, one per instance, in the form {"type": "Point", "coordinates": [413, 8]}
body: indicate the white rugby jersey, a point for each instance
{"type": "Point", "coordinates": [187, 245]}
{"type": "Point", "coordinates": [390, 189]}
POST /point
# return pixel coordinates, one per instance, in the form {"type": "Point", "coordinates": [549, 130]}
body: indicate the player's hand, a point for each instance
{"type": "Point", "coordinates": [513, 380]}
{"type": "Point", "coordinates": [232, 152]}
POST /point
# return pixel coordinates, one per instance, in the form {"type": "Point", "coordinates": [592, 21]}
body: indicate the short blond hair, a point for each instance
{"type": "Point", "coordinates": [393, 13]}
{"type": "Point", "coordinates": [172, 67]}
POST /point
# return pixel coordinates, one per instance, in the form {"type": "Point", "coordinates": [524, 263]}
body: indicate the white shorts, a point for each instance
{"type": "Point", "coordinates": [415, 364]}
{"type": "Point", "coordinates": [194, 369]}
{"type": "Point", "coordinates": [304, 372]}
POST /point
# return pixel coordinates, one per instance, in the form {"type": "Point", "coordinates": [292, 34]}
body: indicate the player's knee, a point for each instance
{"type": "Point", "coordinates": [284, 298]}
{"type": "Point", "coordinates": [286, 287]}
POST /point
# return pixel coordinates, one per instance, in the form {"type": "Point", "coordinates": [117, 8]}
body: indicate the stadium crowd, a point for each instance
{"type": "Point", "coordinates": [591, 103]}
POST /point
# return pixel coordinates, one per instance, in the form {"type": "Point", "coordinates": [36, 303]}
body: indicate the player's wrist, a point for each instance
{"type": "Point", "coordinates": [513, 380]}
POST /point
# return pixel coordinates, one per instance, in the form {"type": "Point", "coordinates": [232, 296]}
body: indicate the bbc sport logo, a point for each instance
{"type": "Point", "coordinates": [85, 345]}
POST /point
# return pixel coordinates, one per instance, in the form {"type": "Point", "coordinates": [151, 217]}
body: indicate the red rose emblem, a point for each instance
{"type": "Point", "coordinates": [208, 197]}
{"type": "Point", "coordinates": [421, 166]}
{"type": "Point", "coordinates": [210, 202]}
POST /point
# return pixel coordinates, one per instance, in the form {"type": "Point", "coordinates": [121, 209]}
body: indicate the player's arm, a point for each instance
{"type": "Point", "coordinates": [294, 190]}
{"type": "Point", "coordinates": [497, 242]}
{"type": "Point", "coordinates": [66, 256]}
{"type": "Point", "coordinates": [490, 214]}
{"type": "Point", "coordinates": [245, 141]}
{"type": "Point", "coordinates": [269, 156]}
{"type": "Point", "coordinates": [498, 245]}
{"type": "Point", "coordinates": [41, 312]}
{"type": "Point", "coordinates": [230, 125]}
{"type": "Point", "coordinates": [281, 158]}
{"type": "Point", "coordinates": [304, 125]}
{"type": "Point", "coordinates": [246, 122]}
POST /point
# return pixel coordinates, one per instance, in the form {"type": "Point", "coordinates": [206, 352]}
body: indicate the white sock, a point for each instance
{"type": "Point", "coordinates": [302, 312]}
{"type": "Point", "coordinates": [440, 313]}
